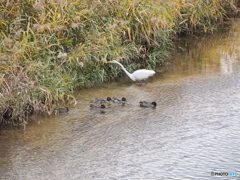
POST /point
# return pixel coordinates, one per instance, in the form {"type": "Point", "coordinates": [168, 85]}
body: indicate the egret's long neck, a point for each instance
{"type": "Point", "coordinates": [129, 74]}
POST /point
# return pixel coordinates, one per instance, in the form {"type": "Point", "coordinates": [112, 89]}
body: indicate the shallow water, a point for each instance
{"type": "Point", "coordinates": [193, 131]}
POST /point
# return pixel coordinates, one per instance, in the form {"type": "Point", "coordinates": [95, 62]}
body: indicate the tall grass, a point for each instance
{"type": "Point", "coordinates": [48, 49]}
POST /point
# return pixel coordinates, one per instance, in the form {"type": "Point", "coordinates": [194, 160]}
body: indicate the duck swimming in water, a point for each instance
{"type": "Point", "coordinates": [102, 100]}
{"type": "Point", "coordinates": [147, 104]}
{"type": "Point", "coordinates": [59, 110]}
{"type": "Point", "coordinates": [119, 101]}
{"type": "Point", "coordinates": [97, 106]}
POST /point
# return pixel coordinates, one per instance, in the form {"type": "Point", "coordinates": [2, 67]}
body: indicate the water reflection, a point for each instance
{"type": "Point", "coordinates": [192, 131]}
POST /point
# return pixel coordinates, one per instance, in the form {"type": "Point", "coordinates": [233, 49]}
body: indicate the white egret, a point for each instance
{"type": "Point", "coordinates": [139, 75]}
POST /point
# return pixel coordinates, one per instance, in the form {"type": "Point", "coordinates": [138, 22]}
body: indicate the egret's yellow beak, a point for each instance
{"type": "Point", "coordinates": [109, 62]}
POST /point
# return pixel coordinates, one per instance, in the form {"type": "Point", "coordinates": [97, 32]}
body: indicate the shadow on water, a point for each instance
{"type": "Point", "coordinates": [192, 132]}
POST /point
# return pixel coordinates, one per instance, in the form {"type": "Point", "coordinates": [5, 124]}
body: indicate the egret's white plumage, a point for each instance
{"type": "Point", "coordinates": [138, 75]}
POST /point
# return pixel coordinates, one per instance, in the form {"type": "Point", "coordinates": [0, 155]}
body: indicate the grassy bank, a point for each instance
{"type": "Point", "coordinates": [48, 49]}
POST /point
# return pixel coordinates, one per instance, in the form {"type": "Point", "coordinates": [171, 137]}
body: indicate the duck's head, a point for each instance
{"type": "Point", "coordinates": [109, 99]}
{"type": "Point", "coordinates": [124, 99]}
{"type": "Point", "coordinates": [102, 106]}
{"type": "Point", "coordinates": [154, 104]}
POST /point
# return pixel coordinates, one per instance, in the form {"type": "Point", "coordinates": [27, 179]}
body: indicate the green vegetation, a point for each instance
{"type": "Point", "coordinates": [48, 49]}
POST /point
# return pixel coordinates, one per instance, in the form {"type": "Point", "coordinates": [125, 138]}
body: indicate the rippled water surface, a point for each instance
{"type": "Point", "coordinates": [193, 131]}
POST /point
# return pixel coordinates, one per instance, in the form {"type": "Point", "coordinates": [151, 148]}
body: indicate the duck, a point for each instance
{"type": "Point", "coordinates": [147, 104]}
{"type": "Point", "coordinates": [97, 106]}
{"type": "Point", "coordinates": [59, 110]}
{"type": "Point", "coordinates": [119, 101]}
{"type": "Point", "coordinates": [102, 100]}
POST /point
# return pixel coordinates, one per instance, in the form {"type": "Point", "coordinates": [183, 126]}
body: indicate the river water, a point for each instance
{"type": "Point", "coordinates": [193, 131]}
